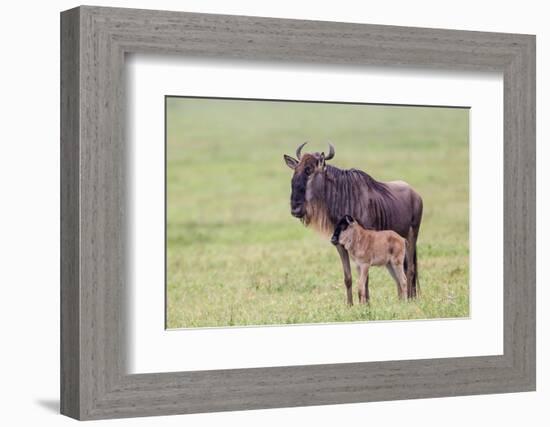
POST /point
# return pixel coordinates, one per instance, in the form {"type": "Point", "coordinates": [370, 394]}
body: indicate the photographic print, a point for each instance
{"type": "Point", "coordinates": [286, 212]}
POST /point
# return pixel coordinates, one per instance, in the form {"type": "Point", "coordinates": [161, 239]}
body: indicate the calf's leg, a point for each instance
{"type": "Point", "coordinates": [401, 278]}
{"type": "Point", "coordinates": [344, 257]}
{"type": "Point", "coordinates": [363, 284]}
{"type": "Point", "coordinates": [393, 274]}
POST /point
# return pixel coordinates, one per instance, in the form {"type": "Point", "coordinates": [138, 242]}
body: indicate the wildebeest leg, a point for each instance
{"type": "Point", "coordinates": [344, 257]}
{"type": "Point", "coordinates": [412, 266]}
{"type": "Point", "coordinates": [362, 284]}
{"type": "Point", "coordinates": [416, 284]}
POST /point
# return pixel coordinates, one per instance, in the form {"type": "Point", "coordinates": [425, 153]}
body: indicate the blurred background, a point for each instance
{"type": "Point", "coordinates": [235, 255]}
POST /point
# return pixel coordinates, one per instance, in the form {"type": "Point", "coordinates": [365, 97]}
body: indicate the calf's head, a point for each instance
{"type": "Point", "coordinates": [342, 225]}
{"type": "Point", "coordinates": [308, 174]}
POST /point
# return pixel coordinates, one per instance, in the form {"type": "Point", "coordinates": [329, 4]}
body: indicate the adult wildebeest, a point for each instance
{"type": "Point", "coordinates": [369, 248]}
{"type": "Point", "coordinates": [322, 194]}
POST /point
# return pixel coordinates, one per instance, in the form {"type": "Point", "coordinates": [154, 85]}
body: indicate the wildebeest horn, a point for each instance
{"type": "Point", "coordinates": [330, 152]}
{"type": "Point", "coordinates": [299, 150]}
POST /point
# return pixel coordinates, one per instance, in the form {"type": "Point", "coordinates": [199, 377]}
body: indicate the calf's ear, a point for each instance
{"type": "Point", "coordinates": [291, 162]}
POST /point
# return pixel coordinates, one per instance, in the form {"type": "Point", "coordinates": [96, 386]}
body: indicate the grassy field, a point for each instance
{"type": "Point", "coordinates": [235, 255]}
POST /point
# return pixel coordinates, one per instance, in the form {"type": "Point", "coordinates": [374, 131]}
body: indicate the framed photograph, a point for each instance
{"type": "Point", "coordinates": [261, 213]}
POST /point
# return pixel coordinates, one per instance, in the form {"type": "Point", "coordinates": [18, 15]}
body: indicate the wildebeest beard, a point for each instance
{"type": "Point", "coordinates": [335, 193]}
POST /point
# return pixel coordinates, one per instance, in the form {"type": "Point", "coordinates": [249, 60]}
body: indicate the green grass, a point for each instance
{"type": "Point", "coordinates": [235, 255]}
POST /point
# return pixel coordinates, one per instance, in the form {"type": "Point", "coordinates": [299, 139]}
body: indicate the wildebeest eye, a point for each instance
{"type": "Point", "coordinates": [309, 170]}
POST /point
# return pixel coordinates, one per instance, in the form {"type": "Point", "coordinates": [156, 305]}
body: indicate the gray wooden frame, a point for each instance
{"type": "Point", "coordinates": [94, 41]}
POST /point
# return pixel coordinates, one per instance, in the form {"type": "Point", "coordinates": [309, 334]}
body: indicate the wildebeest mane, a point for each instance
{"type": "Point", "coordinates": [356, 193]}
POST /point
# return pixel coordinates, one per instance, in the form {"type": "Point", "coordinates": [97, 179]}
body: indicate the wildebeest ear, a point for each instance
{"type": "Point", "coordinates": [291, 162]}
{"type": "Point", "coordinates": [349, 219]}
{"type": "Point", "coordinates": [322, 160]}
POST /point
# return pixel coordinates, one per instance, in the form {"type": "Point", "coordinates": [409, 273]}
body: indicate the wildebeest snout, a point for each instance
{"type": "Point", "coordinates": [297, 210]}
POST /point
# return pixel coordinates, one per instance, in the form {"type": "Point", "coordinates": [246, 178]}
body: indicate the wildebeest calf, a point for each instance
{"type": "Point", "coordinates": [369, 247]}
